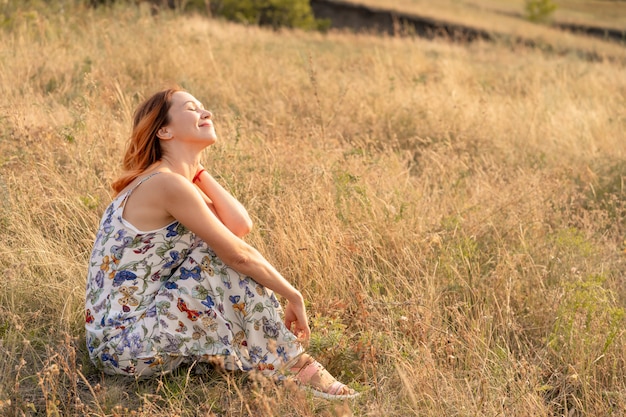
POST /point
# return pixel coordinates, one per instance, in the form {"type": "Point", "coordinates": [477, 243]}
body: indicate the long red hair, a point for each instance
{"type": "Point", "coordinates": [144, 148]}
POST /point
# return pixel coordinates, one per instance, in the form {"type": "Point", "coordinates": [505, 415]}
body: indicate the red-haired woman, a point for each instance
{"type": "Point", "coordinates": [171, 281]}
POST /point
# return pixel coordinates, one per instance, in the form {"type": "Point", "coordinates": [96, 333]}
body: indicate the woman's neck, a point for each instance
{"type": "Point", "coordinates": [185, 168]}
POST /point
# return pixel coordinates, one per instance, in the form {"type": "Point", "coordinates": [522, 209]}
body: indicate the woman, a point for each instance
{"type": "Point", "coordinates": [171, 281]}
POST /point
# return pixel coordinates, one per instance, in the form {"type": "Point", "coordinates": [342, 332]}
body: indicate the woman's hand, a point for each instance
{"type": "Point", "coordinates": [296, 319]}
{"type": "Point", "coordinates": [226, 207]}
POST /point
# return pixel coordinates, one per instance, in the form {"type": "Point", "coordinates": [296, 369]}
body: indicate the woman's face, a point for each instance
{"type": "Point", "coordinates": [189, 121]}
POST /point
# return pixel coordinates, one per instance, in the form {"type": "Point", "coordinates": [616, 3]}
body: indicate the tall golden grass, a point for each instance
{"type": "Point", "coordinates": [454, 214]}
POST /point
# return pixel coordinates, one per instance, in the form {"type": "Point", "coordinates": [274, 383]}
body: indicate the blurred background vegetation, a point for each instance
{"type": "Point", "coordinates": [272, 13]}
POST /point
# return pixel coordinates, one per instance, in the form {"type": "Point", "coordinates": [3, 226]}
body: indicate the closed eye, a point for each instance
{"type": "Point", "coordinates": [193, 106]}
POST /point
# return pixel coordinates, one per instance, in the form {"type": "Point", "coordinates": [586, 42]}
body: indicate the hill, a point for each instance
{"type": "Point", "coordinates": [468, 22]}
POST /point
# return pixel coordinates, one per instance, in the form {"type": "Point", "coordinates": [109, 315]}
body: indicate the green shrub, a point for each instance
{"type": "Point", "coordinates": [589, 320]}
{"type": "Point", "coordinates": [539, 10]}
{"type": "Point", "coordinates": [274, 13]}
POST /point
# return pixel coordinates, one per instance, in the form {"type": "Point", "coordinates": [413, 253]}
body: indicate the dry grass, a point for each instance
{"type": "Point", "coordinates": [454, 215]}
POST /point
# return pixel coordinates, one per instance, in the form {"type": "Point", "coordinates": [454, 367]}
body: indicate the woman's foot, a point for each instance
{"type": "Point", "coordinates": [315, 378]}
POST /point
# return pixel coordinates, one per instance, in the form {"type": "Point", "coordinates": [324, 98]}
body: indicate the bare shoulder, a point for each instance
{"type": "Point", "coordinates": [149, 206]}
{"type": "Point", "coordinates": [172, 185]}
{"type": "Point", "coordinates": [164, 185]}
{"type": "Point", "coordinates": [168, 179]}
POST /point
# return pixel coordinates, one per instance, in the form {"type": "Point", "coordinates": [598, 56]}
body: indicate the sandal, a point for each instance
{"type": "Point", "coordinates": [305, 374]}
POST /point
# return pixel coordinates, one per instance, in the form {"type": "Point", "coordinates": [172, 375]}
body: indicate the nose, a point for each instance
{"type": "Point", "coordinates": [206, 114]}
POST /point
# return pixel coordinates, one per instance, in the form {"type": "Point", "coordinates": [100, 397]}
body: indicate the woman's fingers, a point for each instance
{"type": "Point", "coordinates": [296, 321]}
{"type": "Point", "coordinates": [304, 333]}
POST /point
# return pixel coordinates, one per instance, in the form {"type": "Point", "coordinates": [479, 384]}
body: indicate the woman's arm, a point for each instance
{"type": "Point", "coordinates": [183, 202]}
{"type": "Point", "coordinates": [227, 208]}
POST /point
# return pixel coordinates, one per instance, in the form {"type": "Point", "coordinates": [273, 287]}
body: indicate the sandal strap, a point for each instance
{"type": "Point", "coordinates": [305, 374]}
{"type": "Point", "coordinates": [335, 387]}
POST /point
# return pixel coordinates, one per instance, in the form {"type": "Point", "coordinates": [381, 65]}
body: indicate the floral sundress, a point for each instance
{"type": "Point", "coordinates": [155, 299]}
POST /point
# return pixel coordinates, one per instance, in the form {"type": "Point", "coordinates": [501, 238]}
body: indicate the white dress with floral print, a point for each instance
{"type": "Point", "coordinates": [157, 298]}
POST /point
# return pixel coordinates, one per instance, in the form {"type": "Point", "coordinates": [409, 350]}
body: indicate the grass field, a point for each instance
{"type": "Point", "coordinates": [453, 214]}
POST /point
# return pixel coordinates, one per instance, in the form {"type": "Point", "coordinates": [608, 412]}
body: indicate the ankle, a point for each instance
{"type": "Point", "coordinates": [303, 361]}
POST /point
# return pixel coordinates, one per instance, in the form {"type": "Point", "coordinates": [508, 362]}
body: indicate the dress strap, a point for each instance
{"type": "Point", "coordinates": [129, 192]}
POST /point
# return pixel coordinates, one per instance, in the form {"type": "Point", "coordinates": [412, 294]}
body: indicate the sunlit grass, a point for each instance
{"type": "Point", "coordinates": [453, 214]}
